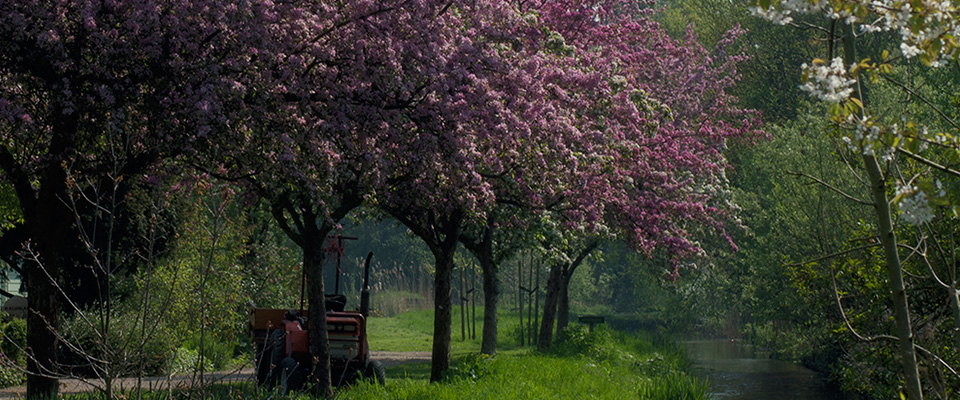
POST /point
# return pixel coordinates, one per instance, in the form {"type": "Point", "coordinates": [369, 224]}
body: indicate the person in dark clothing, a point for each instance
{"type": "Point", "coordinates": [287, 353]}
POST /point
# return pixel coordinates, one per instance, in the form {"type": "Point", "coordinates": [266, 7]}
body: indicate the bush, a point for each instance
{"type": "Point", "coordinates": [13, 359]}
{"type": "Point", "coordinates": [11, 375]}
{"type": "Point", "coordinates": [14, 339]}
{"type": "Point", "coordinates": [471, 366]}
{"type": "Point", "coordinates": [217, 354]}
{"type": "Point", "coordinates": [122, 349]}
{"type": "Point", "coordinates": [185, 361]}
{"type": "Point", "coordinates": [577, 340]}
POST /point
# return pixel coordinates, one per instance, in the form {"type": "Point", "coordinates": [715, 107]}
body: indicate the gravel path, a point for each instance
{"type": "Point", "coordinates": [71, 386]}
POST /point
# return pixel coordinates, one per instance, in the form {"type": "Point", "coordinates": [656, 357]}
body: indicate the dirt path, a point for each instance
{"type": "Point", "coordinates": [72, 386]}
{"type": "Point", "coordinates": [394, 358]}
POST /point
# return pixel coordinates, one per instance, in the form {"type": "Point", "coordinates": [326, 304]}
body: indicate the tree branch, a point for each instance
{"type": "Point", "coordinates": [928, 162]}
{"type": "Point", "coordinates": [913, 93]}
{"type": "Point", "coordinates": [837, 254]}
{"type": "Point", "coordinates": [831, 187]}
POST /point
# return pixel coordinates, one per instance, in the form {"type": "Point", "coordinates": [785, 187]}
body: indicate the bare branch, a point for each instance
{"type": "Point", "coordinates": [928, 162]}
{"type": "Point", "coordinates": [833, 255]}
{"type": "Point", "coordinates": [831, 187]}
{"type": "Point", "coordinates": [924, 100]}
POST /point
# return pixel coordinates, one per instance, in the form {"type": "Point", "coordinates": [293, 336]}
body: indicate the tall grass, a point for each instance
{"type": "Point", "coordinates": [585, 365]}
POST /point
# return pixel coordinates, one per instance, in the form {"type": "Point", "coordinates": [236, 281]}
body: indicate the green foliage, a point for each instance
{"type": "Point", "coordinates": [269, 273]}
{"type": "Point", "coordinates": [203, 288]}
{"type": "Point", "coordinates": [14, 339]}
{"type": "Point", "coordinates": [10, 214]}
{"type": "Point", "coordinates": [673, 386]}
{"type": "Point", "coordinates": [604, 364]}
{"type": "Point", "coordinates": [187, 361]}
{"type": "Point", "coordinates": [11, 375]}
{"type": "Point", "coordinates": [649, 353]}
{"type": "Point", "coordinates": [127, 345]}
{"type": "Point", "coordinates": [469, 366]}
{"type": "Point", "coordinates": [12, 357]}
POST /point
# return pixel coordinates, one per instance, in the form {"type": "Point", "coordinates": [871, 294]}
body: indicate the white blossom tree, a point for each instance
{"type": "Point", "coordinates": [886, 139]}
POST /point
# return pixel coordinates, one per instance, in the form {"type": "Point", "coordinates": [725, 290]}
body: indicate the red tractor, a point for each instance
{"type": "Point", "coordinates": [281, 336]}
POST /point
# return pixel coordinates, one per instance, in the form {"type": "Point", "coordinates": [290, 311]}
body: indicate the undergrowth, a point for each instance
{"type": "Point", "coordinates": [603, 364]}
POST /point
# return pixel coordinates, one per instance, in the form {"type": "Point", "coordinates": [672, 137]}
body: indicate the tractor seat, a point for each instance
{"type": "Point", "coordinates": [335, 302]}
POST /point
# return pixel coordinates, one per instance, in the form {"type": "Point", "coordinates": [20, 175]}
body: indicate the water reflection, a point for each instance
{"type": "Point", "coordinates": [735, 371]}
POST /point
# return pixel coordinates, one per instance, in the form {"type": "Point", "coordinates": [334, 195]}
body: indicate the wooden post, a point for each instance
{"type": "Point", "coordinates": [463, 317]}
{"type": "Point", "coordinates": [529, 298]}
{"type": "Point", "coordinates": [536, 307]}
{"type": "Point", "coordinates": [473, 304]}
{"type": "Point", "coordinates": [520, 297]}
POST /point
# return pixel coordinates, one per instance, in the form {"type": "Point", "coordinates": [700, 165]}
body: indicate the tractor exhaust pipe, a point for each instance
{"type": "Point", "coordinates": [365, 292]}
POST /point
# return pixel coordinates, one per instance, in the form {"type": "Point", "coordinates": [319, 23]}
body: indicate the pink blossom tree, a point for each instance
{"type": "Point", "coordinates": [628, 131]}
{"type": "Point", "coordinates": [356, 103]}
{"type": "Point", "coordinates": [92, 89]}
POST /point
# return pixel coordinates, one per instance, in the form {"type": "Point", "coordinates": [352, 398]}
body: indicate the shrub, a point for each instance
{"type": "Point", "coordinates": [14, 339]}
{"type": "Point", "coordinates": [471, 366]}
{"type": "Point", "coordinates": [124, 349]}
{"type": "Point", "coordinates": [217, 354]}
{"type": "Point", "coordinates": [185, 361]}
{"type": "Point", "coordinates": [11, 375]}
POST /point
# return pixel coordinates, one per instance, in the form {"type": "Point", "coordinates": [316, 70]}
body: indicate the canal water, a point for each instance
{"type": "Point", "coordinates": [735, 371]}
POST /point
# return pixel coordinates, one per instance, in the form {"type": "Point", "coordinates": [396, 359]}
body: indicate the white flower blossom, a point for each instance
{"type": "Point", "coordinates": [772, 14]}
{"type": "Point", "coordinates": [914, 206]}
{"type": "Point", "coordinates": [829, 83]}
{"type": "Point", "coordinates": [909, 51]}
{"type": "Point", "coordinates": [919, 22]}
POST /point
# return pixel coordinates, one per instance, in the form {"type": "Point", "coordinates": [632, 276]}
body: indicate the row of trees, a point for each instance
{"type": "Point", "coordinates": [469, 122]}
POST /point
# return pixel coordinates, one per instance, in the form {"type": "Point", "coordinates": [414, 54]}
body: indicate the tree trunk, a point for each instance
{"type": "Point", "coordinates": [888, 240]}
{"type": "Point", "coordinates": [317, 312]}
{"type": "Point", "coordinates": [898, 293]}
{"type": "Point", "coordinates": [563, 303]}
{"type": "Point", "coordinates": [563, 306]}
{"type": "Point", "coordinates": [491, 296]}
{"type": "Point", "coordinates": [49, 223]}
{"type": "Point", "coordinates": [551, 298]}
{"type": "Point", "coordinates": [482, 249]}
{"type": "Point", "coordinates": [442, 316]}
{"type": "Point", "coordinates": [954, 299]}
{"type": "Point", "coordinates": [42, 324]}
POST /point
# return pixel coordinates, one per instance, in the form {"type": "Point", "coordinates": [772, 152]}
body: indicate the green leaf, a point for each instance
{"type": "Point", "coordinates": [951, 156]}
{"type": "Point", "coordinates": [856, 101]}
{"type": "Point", "coordinates": [912, 145]}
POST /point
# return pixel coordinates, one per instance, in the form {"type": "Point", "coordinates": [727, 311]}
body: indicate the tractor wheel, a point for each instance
{"type": "Point", "coordinates": [375, 371]}
{"type": "Point", "coordinates": [269, 358]}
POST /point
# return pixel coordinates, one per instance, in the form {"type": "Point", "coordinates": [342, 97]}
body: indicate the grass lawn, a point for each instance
{"type": "Point", "coordinates": [413, 331]}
